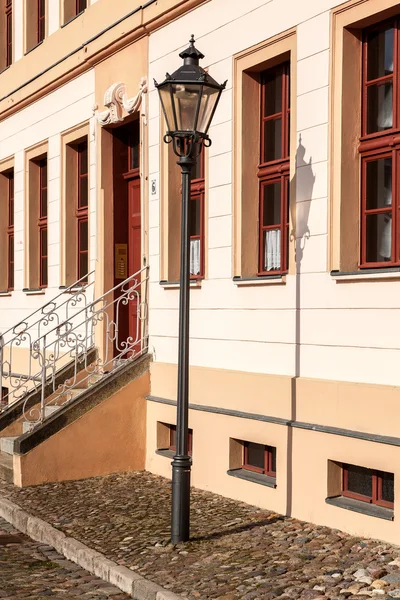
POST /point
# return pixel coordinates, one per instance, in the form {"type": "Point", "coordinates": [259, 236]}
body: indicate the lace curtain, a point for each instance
{"type": "Point", "coordinates": [195, 257]}
{"type": "Point", "coordinates": [272, 250]}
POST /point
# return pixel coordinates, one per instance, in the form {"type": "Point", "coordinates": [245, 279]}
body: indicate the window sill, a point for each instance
{"type": "Point", "coordinates": [5, 294]}
{"type": "Point", "coordinates": [166, 452]}
{"type": "Point", "coordinates": [262, 280]}
{"type": "Point", "coordinates": [361, 507]}
{"type": "Point", "coordinates": [175, 285]}
{"type": "Point", "coordinates": [33, 48]}
{"type": "Point", "coordinates": [34, 292]}
{"type": "Point", "coordinates": [253, 477]}
{"type": "Point", "coordinates": [367, 275]}
{"type": "Point", "coordinates": [67, 290]}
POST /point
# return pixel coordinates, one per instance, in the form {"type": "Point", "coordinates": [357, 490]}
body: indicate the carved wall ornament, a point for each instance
{"type": "Point", "coordinates": [119, 106]}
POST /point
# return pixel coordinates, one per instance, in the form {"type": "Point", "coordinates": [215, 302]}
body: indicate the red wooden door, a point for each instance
{"type": "Point", "coordinates": [134, 254]}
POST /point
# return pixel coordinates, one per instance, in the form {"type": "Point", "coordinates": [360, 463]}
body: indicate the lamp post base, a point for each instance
{"type": "Point", "coordinates": [180, 526]}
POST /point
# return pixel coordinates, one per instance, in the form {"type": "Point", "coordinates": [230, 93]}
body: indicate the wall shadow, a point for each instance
{"type": "Point", "coordinates": [301, 188]}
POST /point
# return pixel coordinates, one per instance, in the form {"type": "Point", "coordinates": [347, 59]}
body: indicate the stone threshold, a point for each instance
{"type": "Point", "coordinates": [96, 563]}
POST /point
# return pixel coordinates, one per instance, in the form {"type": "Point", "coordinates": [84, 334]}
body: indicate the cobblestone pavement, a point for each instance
{"type": "Point", "coordinates": [236, 551]}
{"type": "Point", "coordinates": [31, 570]}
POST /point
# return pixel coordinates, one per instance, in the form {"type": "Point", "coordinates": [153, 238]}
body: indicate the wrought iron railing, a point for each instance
{"type": "Point", "coordinates": [114, 325]}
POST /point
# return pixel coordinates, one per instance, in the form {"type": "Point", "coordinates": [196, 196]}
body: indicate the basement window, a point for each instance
{"type": "Point", "coordinates": [365, 490]}
{"type": "Point", "coordinates": [166, 440]}
{"type": "Point", "coordinates": [253, 462]}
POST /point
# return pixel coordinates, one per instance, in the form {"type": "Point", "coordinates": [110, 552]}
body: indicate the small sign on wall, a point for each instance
{"type": "Point", "coordinates": [121, 261]}
{"type": "Point", "coordinates": [154, 187]}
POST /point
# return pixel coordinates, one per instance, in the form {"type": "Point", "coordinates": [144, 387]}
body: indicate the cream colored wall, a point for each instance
{"type": "Point", "coordinates": [344, 331]}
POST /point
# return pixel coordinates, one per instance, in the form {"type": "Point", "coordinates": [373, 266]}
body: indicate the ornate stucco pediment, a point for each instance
{"type": "Point", "coordinates": [119, 106]}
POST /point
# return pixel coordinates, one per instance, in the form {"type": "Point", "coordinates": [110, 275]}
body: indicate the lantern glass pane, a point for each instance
{"type": "Point", "coordinates": [208, 100]}
{"type": "Point", "coordinates": [166, 101]}
{"type": "Point", "coordinates": [186, 101]}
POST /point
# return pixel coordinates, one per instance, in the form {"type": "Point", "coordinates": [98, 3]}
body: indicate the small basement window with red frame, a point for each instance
{"type": "Point", "coordinates": [368, 485]}
{"type": "Point", "coordinates": [273, 170]}
{"type": "Point", "coordinates": [379, 147]}
{"type": "Point", "coordinates": [166, 439]}
{"type": "Point", "coordinates": [253, 462]}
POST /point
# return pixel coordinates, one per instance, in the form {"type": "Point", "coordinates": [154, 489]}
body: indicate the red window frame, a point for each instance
{"type": "Point", "coordinates": [275, 171]}
{"type": "Point", "coordinates": [42, 224]}
{"type": "Point", "coordinates": [268, 460]}
{"type": "Point", "coordinates": [41, 20]}
{"type": "Point", "coordinates": [82, 215]}
{"type": "Point", "coordinates": [9, 36]}
{"type": "Point", "coordinates": [379, 145]}
{"type": "Point", "coordinates": [377, 482]}
{"type": "Point", "coordinates": [197, 192]}
{"type": "Point", "coordinates": [10, 232]}
{"type": "Point", "coordinates": [172, 439]}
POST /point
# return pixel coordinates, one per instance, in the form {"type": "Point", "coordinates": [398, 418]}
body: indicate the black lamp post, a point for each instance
{"type": "Point", "coordinates": [189, 98]}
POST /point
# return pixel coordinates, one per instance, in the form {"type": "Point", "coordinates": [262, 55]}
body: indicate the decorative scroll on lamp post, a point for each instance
{"type": "Point", "coordinates": [189, 98]}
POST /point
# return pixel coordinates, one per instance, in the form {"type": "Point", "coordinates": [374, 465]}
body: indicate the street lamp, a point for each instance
{"type": "Point", "coordinates": [189, 98]}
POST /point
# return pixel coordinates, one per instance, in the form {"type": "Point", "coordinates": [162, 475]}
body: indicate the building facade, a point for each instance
{"type": "Point", "coordinates": [295, 251]}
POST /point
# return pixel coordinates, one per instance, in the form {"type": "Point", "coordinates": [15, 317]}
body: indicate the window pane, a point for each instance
{"type": "Point", "coordinates": [255, 455]}
{"type": "Point", "coordinates": [134, 147]}
{"type": "Point", "coordinates": [43, 203]}
{"type": "Point", "coordinates": [380, 53]}
{"type": "Point", "coordinates": [81, 5]}
{"type": "Point", "coordinates": [379, 238]}
{"type": "Point", "coordinates": [272, 140]}
{"type": "Point", "coordinates": [194, 216]}
{"type": "Point", "coordinates": [195, 257]}
{"type": "Point", "coordinates": [83, 265]}
{"type": "Point", "coordinates": [83, 192]}
{"type": "Point", "coordinates": [83, 158]}
{"type": "Point", "coordinates": [44, 272]}
{"type": "Point", "coordinates": [272, 204]}
{"type": "Point", "coordinates": [83, 236]}
{"type": "Point", "coordinates": [43, 242]}
{"type": "Point", "coordinates": [272, 94]}
{"type": "Point", "coordinates": [379, 107]}
{"type": "Point", "coordinates": [388, 487]}
{"type": "Point", "coordinates": [379, 183]}
{"type": "Point", "coordinates": [196, 172]}
{"type": "Point", "coordinates": [359, 480]}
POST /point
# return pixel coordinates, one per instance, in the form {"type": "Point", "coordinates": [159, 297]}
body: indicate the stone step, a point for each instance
{"type": "Point", "coordinates": [7, 445]}
{"type": "Point", "coordinates": [49, 410]}
{"type": "Point", "coordinates": [6, 467]}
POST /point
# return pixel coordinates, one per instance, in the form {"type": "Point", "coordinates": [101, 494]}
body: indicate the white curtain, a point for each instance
{"type": "Point", "coordinates": [272, 250]}
{"type": "Point", "coordinates": [194, 257]}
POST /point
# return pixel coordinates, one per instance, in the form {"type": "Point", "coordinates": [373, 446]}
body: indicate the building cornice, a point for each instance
{"type": "Point", "coordinates": [76, 60]}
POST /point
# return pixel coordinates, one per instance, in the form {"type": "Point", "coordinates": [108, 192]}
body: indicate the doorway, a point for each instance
{"type": "Point", "coordinates": [127, 236]}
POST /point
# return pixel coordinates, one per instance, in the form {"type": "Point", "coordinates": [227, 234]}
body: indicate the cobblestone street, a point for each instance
{"type": "Point", "coordinates": [31, 570]}
{"type": "Point", "coordinates": [236, 551]}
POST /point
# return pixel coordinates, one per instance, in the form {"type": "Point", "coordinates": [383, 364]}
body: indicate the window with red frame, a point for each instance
{"type": "Point", "coordinates": [172, 439]}
{"type": "Point", "coordinates": [379, 147]}
{"type": "Point", "coordinates": [43, 243]}
{"type": "Point", "coordinates": [82, 211]}
{"type": "Point", "coordinates": [367, 485]}
{"type": "Point", "coordinates": [259, 458]}
{"type": "Point", "coordinates": [9, 35]}
{"type": "Point", "coordinates": [196, 219]}
{"type": "Point", "coordinates": [10, 231]}
{"type": "Point", "coordinates": [41, 20]}
{"type": "Point", "coordinates": [273, 170]}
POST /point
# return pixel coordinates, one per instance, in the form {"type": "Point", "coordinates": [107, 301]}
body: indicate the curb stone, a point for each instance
{"type": "Point", "coordinates": [96, 563]}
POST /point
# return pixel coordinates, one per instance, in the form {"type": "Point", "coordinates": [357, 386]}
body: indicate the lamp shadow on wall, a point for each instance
{"type": "Point", "coordinates": [301, 187]}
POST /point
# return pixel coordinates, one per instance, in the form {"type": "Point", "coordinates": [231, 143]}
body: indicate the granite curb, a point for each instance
{"type": "Point", "coordinates": [96, 563]}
